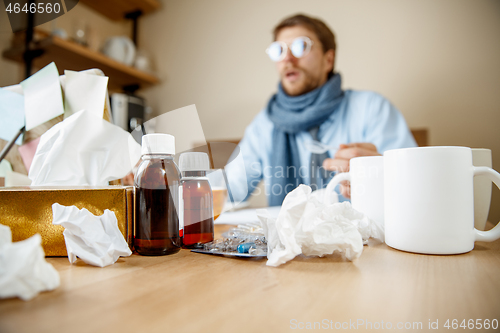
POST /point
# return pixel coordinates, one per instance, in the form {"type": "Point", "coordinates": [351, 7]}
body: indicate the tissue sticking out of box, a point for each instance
{"type": "Point", "coordinates": [23, 270]}
{"type": "Point", "coordinates": [306, 225]}
{"type": "Point", "coordinates": [83, 150]}
{"type": "Point", "coordinates": [94, 239]}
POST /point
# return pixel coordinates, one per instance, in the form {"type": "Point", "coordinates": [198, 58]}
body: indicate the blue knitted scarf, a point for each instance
{"type": "Point", "coordinates": [291, 115]}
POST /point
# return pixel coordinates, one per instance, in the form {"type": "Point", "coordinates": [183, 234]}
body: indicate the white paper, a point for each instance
{"type": "Point", "coordinates": [12, 178]}
{"type": "Point", "coordinates": [11, 115]}
{"type": "Point", "coordinates": [306, 225]}
{"type": "Point", "coordinates": [94, 239]}
{"type": "Point", "coordinates": [84, 91]}
{"type": "Point", "coordinates": [245, 216]}
{"type": "Point", "coordinates": [18, 89]}
{"type": "Point", "coordinates": [42, 96]}
{"type": "Point", "coordinates": [5, 168]}
{"type": "Point", "coordinates": [23, 270]}
{"type": "Point", "coordinates": [17, 179]}
{"type": "Point", "coordinates": [15, 89]}
{"type": "Point", "coordinates": [83, 150]}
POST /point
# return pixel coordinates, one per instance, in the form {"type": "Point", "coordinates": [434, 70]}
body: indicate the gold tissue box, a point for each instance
{"type": "Point", "coordinates": [28, 210]}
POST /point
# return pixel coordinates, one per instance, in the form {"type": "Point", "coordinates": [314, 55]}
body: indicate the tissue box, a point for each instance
{"type": "Point", "coordinates": [28, 210]}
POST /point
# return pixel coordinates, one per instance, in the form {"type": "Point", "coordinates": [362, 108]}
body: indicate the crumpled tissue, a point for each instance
{"type": "Point", "coordinates": [306, 225]}
{"type": "Point", "coordinates": [94, 239]}
{"type": "Point", "coordinates": [23, 270]}
{"type": "Point", "coordinates": [83, 150]}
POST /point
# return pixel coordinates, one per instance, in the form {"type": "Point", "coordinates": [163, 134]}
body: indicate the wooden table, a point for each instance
{"type": "Point", "coordinates": [189, 292]}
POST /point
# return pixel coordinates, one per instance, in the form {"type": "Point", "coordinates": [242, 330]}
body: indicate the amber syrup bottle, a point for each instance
{"type": "Point", "coordinates": [157, 198]}
{"type": "Point", "coordinates": [196, 200]}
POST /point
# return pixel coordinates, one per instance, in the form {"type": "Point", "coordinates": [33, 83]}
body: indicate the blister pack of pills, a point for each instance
{"type": "Point", "coordinates": [244, 241]}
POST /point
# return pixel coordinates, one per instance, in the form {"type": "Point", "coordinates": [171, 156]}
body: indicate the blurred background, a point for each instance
{"type": "Point", "coordinates": [437, 61]}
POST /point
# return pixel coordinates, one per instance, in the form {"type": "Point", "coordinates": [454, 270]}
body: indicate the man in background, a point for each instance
{"type": "Point", "coordinates": [310, 105]}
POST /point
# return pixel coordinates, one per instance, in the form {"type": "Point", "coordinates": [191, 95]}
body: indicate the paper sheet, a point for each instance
{"type": "Point", "coordinates": [42, 96]}
{"type": "Point", "coordinates": [12, 178]}
{"type": "Point", "coordinates": [5, 169]}
{"type": "Point", "coordinates": [11, 115]}
{"type": "Point", "coordinates": [17, 179]}
{"type": "Point", "coordinates": [245, 216]}
{"type": "Point", "coordinates": [27, 152]}
{"type": "Point", "coordinates": [84, 91]}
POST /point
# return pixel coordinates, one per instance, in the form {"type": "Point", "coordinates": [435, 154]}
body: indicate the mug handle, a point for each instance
{"type": "Point", "coordinates": [493, 234]}
{"type": "Point", "coordinates": [330, 188]}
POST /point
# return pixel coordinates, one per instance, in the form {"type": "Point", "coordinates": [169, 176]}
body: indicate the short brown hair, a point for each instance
{"type": "Point", "coordinates": [324, 34]}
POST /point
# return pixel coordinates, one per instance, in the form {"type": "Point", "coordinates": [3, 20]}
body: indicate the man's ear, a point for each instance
{"type": "Point", "coordinates": [329, 60]}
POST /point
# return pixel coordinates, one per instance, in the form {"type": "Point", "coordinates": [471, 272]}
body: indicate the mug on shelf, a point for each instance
{"type": "Point", "coordinates": [429, 200]}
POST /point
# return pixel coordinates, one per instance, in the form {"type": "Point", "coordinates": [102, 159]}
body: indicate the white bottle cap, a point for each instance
{"type": "Point", "coordinates": [194, 162]}
{"type": "Point", "coordinates": [158, 143]}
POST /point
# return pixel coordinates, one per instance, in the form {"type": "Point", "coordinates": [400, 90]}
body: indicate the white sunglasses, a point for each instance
{"type": "Point", "coordinates": [300, 47]}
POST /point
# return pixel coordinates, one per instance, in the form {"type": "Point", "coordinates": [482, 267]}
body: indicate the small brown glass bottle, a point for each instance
{"type": "Point", "coordinates": [196, 200]}
{"type": "Point", "coordinates": [157, 196]}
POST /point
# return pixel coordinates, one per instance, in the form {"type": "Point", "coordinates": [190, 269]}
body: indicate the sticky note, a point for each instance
{"type": "Point", "coordinates": [42, 96]}
{"type": "Point", "coordinates": [5, 168]}
{"type": "Point", "coordinates": [27, 152]}
{"type": "Point", "coordinates": [11, 115]}
{"type": "Point", "coordinates": [84, 91]}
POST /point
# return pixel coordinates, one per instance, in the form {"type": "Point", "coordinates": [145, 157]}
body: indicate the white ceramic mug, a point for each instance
{"type": "Point", "coordinates": [366, 175]}
{"type": "Point", "coordinates": [482, 188]}
{"type": "Point", "coordinates": [429, 202]}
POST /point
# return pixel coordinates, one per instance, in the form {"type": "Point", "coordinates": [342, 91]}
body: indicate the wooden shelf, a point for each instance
{"type": "Point", "coordinates": [116, 9]}
{"type": "Point", "coordinates": [72, 56]}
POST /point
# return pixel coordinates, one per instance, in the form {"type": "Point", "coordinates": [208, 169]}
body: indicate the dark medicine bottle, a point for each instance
{"type": "Point", "coordinates": [157, 198]}
{"type": "Point", "coordinates": [196, 200]}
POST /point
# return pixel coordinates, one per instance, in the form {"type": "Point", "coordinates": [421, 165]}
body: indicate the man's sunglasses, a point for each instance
{"type": "Point", "coordinates": [300, 47]}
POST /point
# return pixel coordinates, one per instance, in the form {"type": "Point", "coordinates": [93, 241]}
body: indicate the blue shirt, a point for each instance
{"type": "Point", "coordinates": [362, 116]}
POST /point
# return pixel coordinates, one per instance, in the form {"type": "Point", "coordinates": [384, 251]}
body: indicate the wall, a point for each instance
{"type": "Point", "coordinates": [9, 72]}
{"type": "Point", "coordinates": [436, 60]}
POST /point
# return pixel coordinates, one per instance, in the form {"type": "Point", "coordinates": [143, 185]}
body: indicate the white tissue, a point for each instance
{"type": "Point", "coordinates": [306, 225]}
{"type": "Point", "coordinates": [83, 150]}
{"type": "Point", "coordinates": [94, 239]}
{"type": "Point", "coordinates": [23, 269]}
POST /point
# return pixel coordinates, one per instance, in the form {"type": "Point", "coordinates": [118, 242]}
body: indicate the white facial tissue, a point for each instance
{"type": "Point", "coordinates": [94, 239]}
{"type": "Point", "coordinates": [83, 150]}
{"type": "Point", "coordinates": [23, 269]}
{"type": "Point", "coordinates": [306, 225]}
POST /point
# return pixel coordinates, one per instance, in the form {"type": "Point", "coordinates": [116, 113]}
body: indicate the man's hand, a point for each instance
{"type": "Point", "coordinates": [340, 162]}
